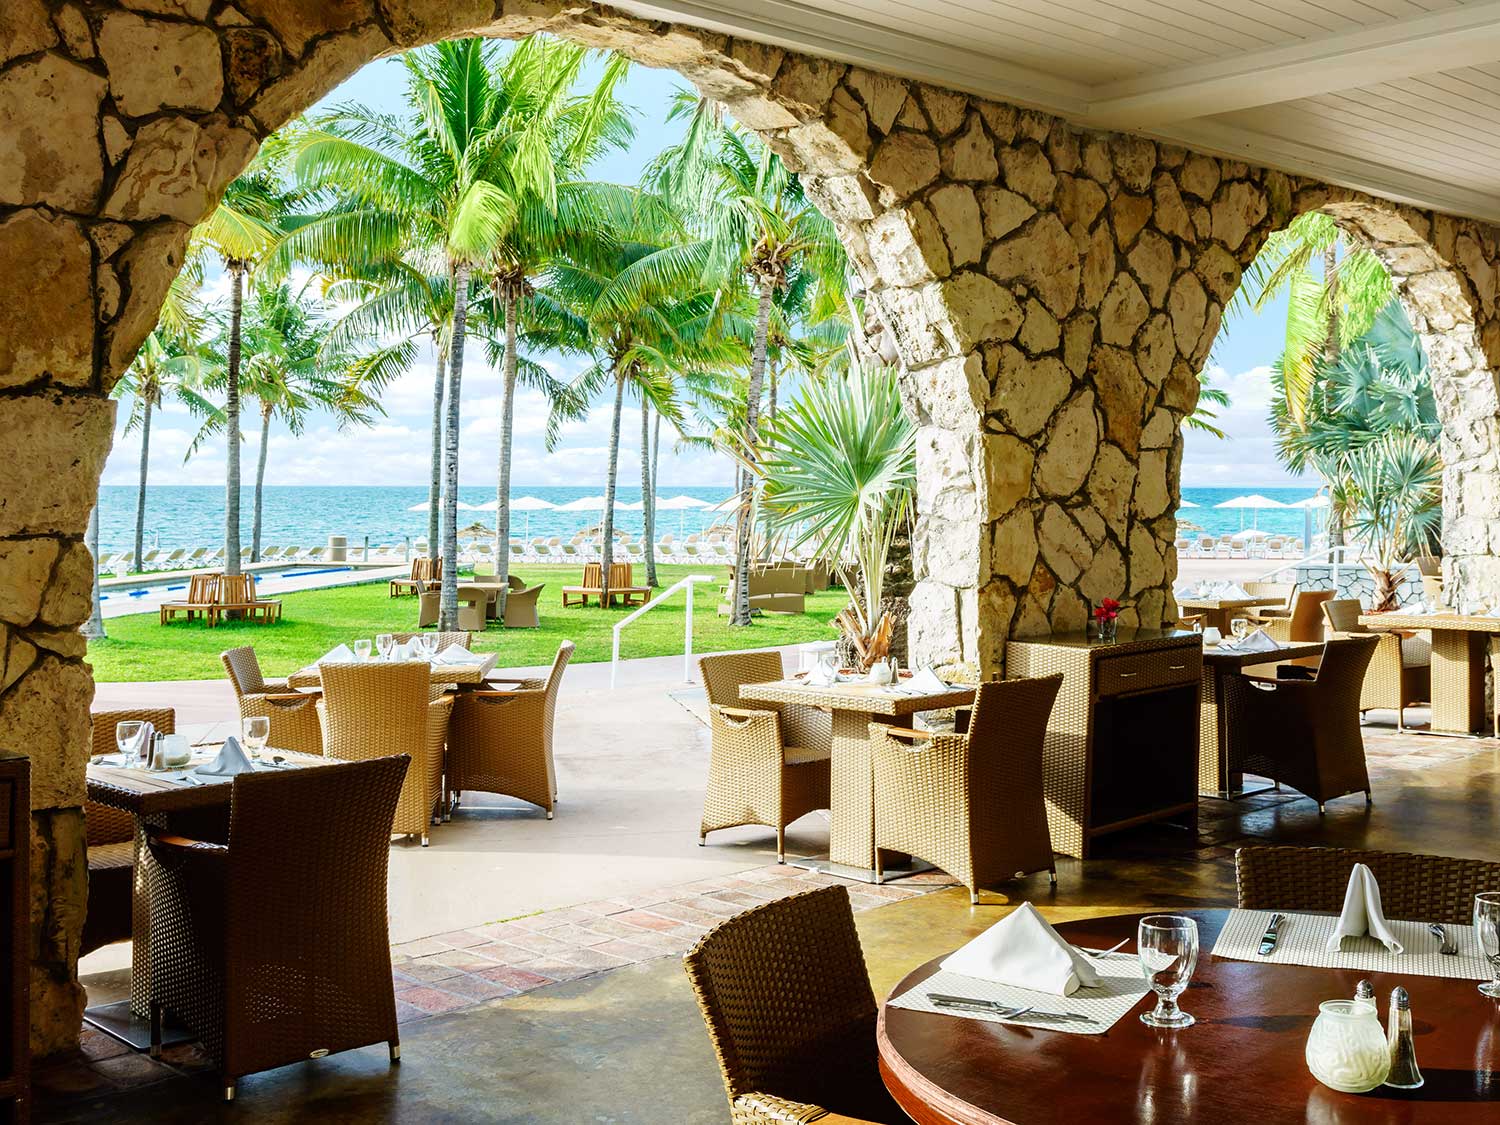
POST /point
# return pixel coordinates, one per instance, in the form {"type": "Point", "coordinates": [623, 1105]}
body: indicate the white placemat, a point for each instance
{"type": "Point", "coordinates": [1304, 941]}
{"type": "Point", "coordinates": [1120, 988]}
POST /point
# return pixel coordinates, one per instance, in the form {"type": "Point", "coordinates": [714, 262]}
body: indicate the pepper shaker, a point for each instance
{"type": "Point", "coordinates": [1404, 1074]}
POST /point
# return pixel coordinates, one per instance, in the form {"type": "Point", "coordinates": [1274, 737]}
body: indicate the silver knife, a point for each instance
{"type": "Point", "coordinates": [970, 1003]}
{"type": "Point", "coordinates": [1271, 936]}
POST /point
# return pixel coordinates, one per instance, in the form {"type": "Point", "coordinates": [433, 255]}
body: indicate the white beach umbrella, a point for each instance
{"type": "Point", "coordinates": [1309, 506]}
{"type": "Point", "coordinates": [527, 504]}
{"type": "Point", "coordinates": [1186, 504]}
{"type": "Point", "coordinates": [1318, 501]}
{"type": "Point", "coordinates": [1253, 502]}
{"type": "Point", "coordinates": [679, 503]}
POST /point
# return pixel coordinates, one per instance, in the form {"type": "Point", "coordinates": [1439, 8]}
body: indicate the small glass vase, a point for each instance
{"type": "Point", "coordinates": [1105, 628]}
{"type": "Point", "coordinates": [1347, 1049]}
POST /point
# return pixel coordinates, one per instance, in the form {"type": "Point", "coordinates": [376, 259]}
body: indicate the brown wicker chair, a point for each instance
{"type": "Point", "coordinates": [376, 710]}
{"type": "Point", "coordinates": [1301, 621]}
{"type": "Point", "coordinates": [787, 1000]}
{"type": "Point", "coordinates": [274, 947]}
{"type": "Point", "coordinates": [1400, 672]}
{"type": "Point", "coordinates": [110, 836]}
{"type": "Point", "coordinates": [970, 803]}
{"type": "Point", "coordinates": [1304, 733]}
{"type": "Point", "coordinates": [501, 741]}
{"type": "Point", "coordinates": [1427, 888]}
{"type": "Point", "coordinates": [766, 766]}
{"type": "Point", "coordinates": [293, 714]}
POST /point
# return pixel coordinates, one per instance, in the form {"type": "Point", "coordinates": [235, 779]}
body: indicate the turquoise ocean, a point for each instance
{"type": "Point", "coordinates": [305, 515]}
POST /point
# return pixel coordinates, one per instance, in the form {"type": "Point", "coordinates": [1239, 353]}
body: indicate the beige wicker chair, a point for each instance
{"type": "Point", "coordinates": [1304, 733]}
{"type": "Point", "coordinates": [1427, 888]}
{"type": "Point", "coordinates": [445, 640]}
{"type": "Point", "coordinates": [376, 710]}
{"type": "Point", "coordinates": [769, 765]}
{"type": "Point", "coordinates": [970, 803]}
{"type": "Point", "coordinates": [1400, 672]}
{"type": "Point", "coordinates": [521, 607]}
{"type": "Point", "coordinates": [110, 836]}
{"type": "Point", "coordinates": [787, 1001]}
{"type": "Point", "coordinates": [293, 714]}
{"type": "Point", "coordinates": [1302, 620]}
{"type": "Point", "coordinates": [473, 602]}
{"type": "Point", "coordinates": [501, 741]}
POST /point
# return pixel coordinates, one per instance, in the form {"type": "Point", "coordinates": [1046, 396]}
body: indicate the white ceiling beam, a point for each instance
{"type": "Point", "coordinates": [1457, 37]}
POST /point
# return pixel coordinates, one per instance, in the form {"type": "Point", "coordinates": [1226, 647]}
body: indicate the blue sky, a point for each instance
{"type": "Point", "coordinates": [395, 450]}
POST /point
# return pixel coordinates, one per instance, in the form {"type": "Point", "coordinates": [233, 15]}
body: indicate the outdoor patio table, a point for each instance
{"type": "Point", "coordinates": [441, 673]}
{"type": "Point", "coordinates": [153, 798]}
{"type": "Point", "coordinates": [1217, 775]}
{"type": "Point", "coordinates": [851, 833]}
{"type": "Point", "coordinates": [1460, 643]}
{"type": "Point", "coordinates": [1243, 1061]}
{"type": "Point", "coordinates": [1217, 612]}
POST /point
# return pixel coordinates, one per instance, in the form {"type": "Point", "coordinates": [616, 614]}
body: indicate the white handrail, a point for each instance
{"type": "Point", "coordinates": [687, 630]}
{"type": "Point", "coordinates": [1334, 556]}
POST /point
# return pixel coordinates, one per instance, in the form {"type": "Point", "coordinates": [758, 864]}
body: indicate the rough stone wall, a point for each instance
{"type": "Point", "coordinates": [1050, 293]}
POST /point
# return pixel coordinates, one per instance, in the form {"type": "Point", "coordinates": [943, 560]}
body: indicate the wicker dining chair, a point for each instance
{"type": "Point", "coordinates": [1427, 888]}
{"type": "Point", "coordinates": [293, 714]}
{"type": "Point", "coordinates": [501, 741]}
{"type": "Point", "coordinates": [786, 998]}
{"type": "Point", "coordinates": [445, 640]}
{"type": "Point", "coordinates": [970, 804]}
{"type": "Point", "coordinates": [767, 765]}
{"type": "Point", "coordinates": [1304, 733]}
{"type": "Point", "coordinates": [109, 834]}
{"type": "Point", "coordinates": [1302, 620]}
{"type": "Point", "coordinates": [274, 947]}
{"type": "Point", "coordinates": [377, 710]}
{"type": "Point", "coordinates": [1400, 672]}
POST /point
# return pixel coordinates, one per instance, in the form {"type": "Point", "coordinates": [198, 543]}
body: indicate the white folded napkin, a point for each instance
{"type": "Point", "coordinates": [339, 654]}
{"type": "Point", "coordinates": [926, 682]}
{"type": "Point", "coordinates": [821, 676]}
{"type": "Point", "coordinates": [1233, 591]}
{"type": "Point", "coordinates": [1182, 592]}
{"type": "Point", "coordinates": [231, 760]}
{"type": "Point", "coordinates": [1023, 950]}
{"type": "Point", "coordinates": [454, 654]}
{"type": "Point", "coordinates": [1362, 913]}
{"type": "Point", "coordinates": [142, 747]}
{"type": "Point", "coordinates": [1258, 641]}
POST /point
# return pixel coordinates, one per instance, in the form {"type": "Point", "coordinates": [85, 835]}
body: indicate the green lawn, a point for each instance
{"type": "Point", "coordinates": [138, 648]}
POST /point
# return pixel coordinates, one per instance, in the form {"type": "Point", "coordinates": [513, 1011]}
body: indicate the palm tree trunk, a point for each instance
{"type": "Point", "coordinates": [1331, 349]}
{"type": "Point", "coordinates": [648, 483]}
{"type": "Point", "coordinates": [140, 498]}
{"type": "Point", "coordinates": [93, 628]}
{"type": "Point", "coordinates": [448, 599]}
{"type": "Point", "coordinates": [507, 421]}
{"type": "Point", "coordinates": [771, 408]}
{"type": "Point", "coordinates": [741, 614]}
{"type": "Point", "coordinates": [435, 485]}
{"type": "Point", "coordinates": [232, 423]}
{"type": "Point", "coordinates": [260, 482]}
{"type": "Point", "coordinates": [607, 545]}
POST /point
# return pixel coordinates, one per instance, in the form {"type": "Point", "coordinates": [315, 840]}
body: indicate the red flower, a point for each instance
{"type": "Point", "coordinates": [1107, 610]}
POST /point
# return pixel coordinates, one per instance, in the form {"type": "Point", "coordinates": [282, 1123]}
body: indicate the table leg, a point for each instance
{"type": "Point", "coordinates": [1458, 658]}
{"type": "Point", "coordinates": [1209, 781]}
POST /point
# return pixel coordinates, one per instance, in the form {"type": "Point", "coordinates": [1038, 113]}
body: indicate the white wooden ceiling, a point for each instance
{"type": "Point", "coordinates": [1400, 98]}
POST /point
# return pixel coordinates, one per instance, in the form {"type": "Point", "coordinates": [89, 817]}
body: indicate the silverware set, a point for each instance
{"type": "Point", "coordinates": [1003, 1011]}
{"type": "Point", "coordinates": [1449, 946]}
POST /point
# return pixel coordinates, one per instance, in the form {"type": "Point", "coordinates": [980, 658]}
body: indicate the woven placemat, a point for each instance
{"type": "Point", "coordinates": [1121, 987]}
{"type": "Point", "coordinates": [1304, 941]}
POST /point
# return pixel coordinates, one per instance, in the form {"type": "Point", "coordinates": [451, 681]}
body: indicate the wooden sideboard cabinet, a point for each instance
{"type": "Point", "coordinates": [1122, 743]}
{"type": "Point", "coordinates": [15, 976]}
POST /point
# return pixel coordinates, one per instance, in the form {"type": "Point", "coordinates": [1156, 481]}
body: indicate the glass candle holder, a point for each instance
{"type": "Point", "coordinates": [1347, 1049]}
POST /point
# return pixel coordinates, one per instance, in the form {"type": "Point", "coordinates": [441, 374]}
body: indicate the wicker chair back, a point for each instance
{"type": "Point", "coordinates": [244, 671]}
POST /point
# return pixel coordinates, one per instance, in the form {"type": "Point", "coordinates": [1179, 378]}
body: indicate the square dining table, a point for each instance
{"type": "Point", "coordinates": [854, 706]}
{"type": "Point", "coordinates": [1217, 612]}
{"type": "Point", "coordinates": [474, 673]}
{"type": "Point", "coordinates": [154, 799]}
{"type": "Point", "coordinates": [1460, 648]}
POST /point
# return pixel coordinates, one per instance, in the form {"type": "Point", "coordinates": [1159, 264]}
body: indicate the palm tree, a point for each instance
{"type": "Point", "coordinates": [427, 183]}
{"type": "Point", "coordinates": [1211, 399]}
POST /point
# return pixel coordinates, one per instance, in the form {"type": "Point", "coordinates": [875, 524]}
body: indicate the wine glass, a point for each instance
{"type": "Point", "coordinates": [1168, 949]}
{"type": "Point", "coordinates": [429, 645]}
{"type": "Point", "coordinates": [362, 649]}
{"type": "Point", "coordinates": [128, 738]}
{"type": "Point", "coordinates": [1487, 931]}
{"type": "Point", "coordinates": [257, 732]}
{"type": "Point", "coordinates": [384, 642]}
{"type": "Point", "coordinates": [1240, 627]}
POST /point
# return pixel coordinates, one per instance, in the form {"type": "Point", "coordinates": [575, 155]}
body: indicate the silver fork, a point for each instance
{"type": "Point", "coordinates": [1449, 946]}
{"type": "Point", "coordinates": [1098, 954]}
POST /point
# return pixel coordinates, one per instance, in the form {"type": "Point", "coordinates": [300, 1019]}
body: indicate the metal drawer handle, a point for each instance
{"type": "Point", "coordinates": [1126, 675]}
{"type": "Point", "coordinates": [1176, 667]}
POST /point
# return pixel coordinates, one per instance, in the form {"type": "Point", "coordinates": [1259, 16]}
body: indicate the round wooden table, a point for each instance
{"type": "Point", "coordinates": [1241, 1062]}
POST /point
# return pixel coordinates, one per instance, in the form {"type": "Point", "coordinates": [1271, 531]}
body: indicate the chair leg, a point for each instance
{"type": "Point", "coordinates": [973, 896]}
{"type": "Point", "coordinates": [1369, 798]}
{"type": "Point", "coordinates": [157, 1018]}
{"type": "Point", "coordinates": [780, 844]}
{"type": "Point", "coordinates": [1321, 809]}
{"type": "Point", "coordinates": [395, 1046]}
{"type": "Point", "coordinates": [1052, 874]}
{"type": "Point", "coordinates": [424, 839]}
{"type": "Point", "coordinates": [549, 814]}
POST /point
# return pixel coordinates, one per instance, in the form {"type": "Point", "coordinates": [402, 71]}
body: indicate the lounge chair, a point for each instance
{"type": "Point", "coordinates": [198, 556]}
{"type": "Point", "coordinates": [500, 741]}
{"type": "Point", "coordinates": [270, 554]}
{"type": "Point", "coordinates": [237, 598]}
{"type": "Point", "coordinates": [293, 714]}
{"type": "Point", "coordinates": [1400, 671]}
{"type": "Point", "coordinates": [123, 563]}
{"type": "Point", "coordinates": [202, 596]}
{"type": "Point", "coordinates": [173, 559]}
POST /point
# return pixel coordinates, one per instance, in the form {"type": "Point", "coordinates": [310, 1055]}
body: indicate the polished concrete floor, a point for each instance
{"type": "Point", "coordinates": [628, 1045]}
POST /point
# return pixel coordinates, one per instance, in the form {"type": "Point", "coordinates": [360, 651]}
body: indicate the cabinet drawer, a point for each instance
{"type": "Point", "coordinates": [1115, 675]}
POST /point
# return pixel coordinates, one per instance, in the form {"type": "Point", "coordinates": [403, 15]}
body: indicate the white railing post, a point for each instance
{"type": "Point", "coordinates": [687, 644]}
{"type": "Point", "coordinates": [687, 640]}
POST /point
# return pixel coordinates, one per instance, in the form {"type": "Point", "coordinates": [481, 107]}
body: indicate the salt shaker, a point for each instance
{"type": "Point", "coordinates": [1364, 993]}
{"type": "Point", "coordinates": [1404, 1074]}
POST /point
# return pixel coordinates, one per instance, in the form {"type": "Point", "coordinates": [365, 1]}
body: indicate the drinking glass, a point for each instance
{"type": "Point", "coordinates": [257, 732]}
{"type": "Point", "coordinates": [1168, 949]}
{"type": "Point", "coordinates": [1240, 627]}
{"type": "Point", "coordinates": [362, 649]}
{"type": "Point", "coordinates": [1487, 933]}
{"type": "Point", "coordinates": [384, 642]}
{"type": "Point", "coordinates": [128, 738]}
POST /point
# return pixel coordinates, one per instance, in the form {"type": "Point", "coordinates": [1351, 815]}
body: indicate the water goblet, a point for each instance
{"type": "Point", "coordinates": [1487, 932]}
{"type": "Point", "coordinates": [128, 738]}
{"type": "Point", "coordinates": [362, 649]}
{"type": "Point", "coordinates": [384, 642]}
{"type": "Point", "coordinates": [1240, 627]}
{"type": "Point", "coordinates": [257, 732]}
{"type": "Point", "coordinates": [1168, 949]}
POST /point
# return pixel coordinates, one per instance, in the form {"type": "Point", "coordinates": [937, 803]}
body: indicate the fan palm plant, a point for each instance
{"type": "Point", "coordinates": [1393, 488]}
{"type": "Point", "coordinates": [837, 474]}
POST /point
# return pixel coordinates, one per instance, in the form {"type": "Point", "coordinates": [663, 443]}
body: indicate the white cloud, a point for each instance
{"type": "Point", "coordinates": [1247, 453]}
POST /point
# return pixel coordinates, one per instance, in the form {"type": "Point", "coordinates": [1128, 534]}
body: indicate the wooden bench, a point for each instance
{"type": "Point", "coordinates": [620, 586]}
{"type": "Point", "coordinates": [202, 595]}
{"type": "Point", "coordinates": [237, 596]}
{"type": "Point", "coordinates": [423, 569]}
